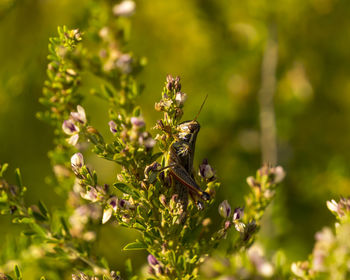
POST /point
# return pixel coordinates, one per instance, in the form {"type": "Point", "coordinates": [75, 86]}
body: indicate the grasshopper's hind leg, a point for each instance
{"type": "Point", "coordinates": [181, 175]}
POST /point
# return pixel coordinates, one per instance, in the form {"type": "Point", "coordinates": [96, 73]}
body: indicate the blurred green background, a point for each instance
{"type": "Point", "coordinates": [217, 47]}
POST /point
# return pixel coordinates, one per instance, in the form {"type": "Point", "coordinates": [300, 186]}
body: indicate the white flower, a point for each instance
{"type": "Point", "coordinates": [73, 140]}
{"type": "Point", "coordinates": [225, 209]}
{"type": "Point", "coordinates": [251, 181]}
{"type": "Point", "coordinates": [77, 161]}
{"type": "Point", "coordinates": [332, 205]}
{"type": "Point", "coordinates": [69, 127]}
{"type": "Point", "coordinates": [125, 8]}
{"type": "Point", "coordinates": [279, 174]}
{"type": "Point", "coordinates": [266, 269]}
{"type": "Point", "coordinates": [112, 127]}
{"type": "Point", "coordinates": [180, 98]}
{"type": "Point", "coordinates": [137, 122]}
{"type": "Point", "coordinates": [239, 226]}
{"type": "Point", "coordinates": [91, 194]}
{"type": "Point", "coordinates": [297, 270]}
{"type": "Point", "coordinates": [238, 213]}
{"type": "Point", "coordinates": [79, 116]}
{"type": "Point", "coordinates": [107, 214]}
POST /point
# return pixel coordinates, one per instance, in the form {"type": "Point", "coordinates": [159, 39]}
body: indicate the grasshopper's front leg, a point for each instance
{"type": "Point", "coordinates": [181, 175]}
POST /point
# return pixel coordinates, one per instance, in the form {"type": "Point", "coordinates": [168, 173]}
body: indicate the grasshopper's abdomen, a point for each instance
{"type": "Point", "coordinates": [180, 161]}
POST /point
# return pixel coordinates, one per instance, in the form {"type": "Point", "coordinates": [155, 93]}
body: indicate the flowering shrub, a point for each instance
{"type": "Point", "coordinates": [157, 191]}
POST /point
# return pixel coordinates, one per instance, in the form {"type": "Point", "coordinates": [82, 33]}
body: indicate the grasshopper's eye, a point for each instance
{"type": "Point", "coordinates": [193, 127]}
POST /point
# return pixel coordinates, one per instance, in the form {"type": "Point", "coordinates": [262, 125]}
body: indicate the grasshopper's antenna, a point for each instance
{"type": "Point", "coordinates": [200, 109]}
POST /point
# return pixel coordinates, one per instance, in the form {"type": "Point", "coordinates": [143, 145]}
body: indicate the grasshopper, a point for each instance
{"type": "Point", "coordinates": [180, 163]}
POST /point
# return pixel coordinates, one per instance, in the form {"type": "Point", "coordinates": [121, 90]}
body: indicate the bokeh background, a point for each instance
{"type": "Point", "coordinates": [218, 48]}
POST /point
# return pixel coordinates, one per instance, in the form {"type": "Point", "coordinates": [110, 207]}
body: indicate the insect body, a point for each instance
{"type": "Point", "coordinates": [180, 162]}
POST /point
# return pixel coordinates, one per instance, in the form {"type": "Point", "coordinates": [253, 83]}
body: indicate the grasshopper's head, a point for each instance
{"type": "Point", "coordinates": [188, 130]}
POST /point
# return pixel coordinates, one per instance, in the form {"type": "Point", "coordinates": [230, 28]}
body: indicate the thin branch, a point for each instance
{"type": "Point", "coordinates": [266, 98]}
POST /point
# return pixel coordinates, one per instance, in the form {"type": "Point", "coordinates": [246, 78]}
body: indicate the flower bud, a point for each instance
{"type": "Point", "coordinates": [91, 194]}
{"type": "Point", "coordinates": [238, 213]}
{"type": "Point", "coordinates": [227, 225]}
{"type": "Point", "coordinates": [162, 200]}
{"type": "Point", "coordinates": [177, 84]}
{"type": "Point", "coordinates": [79, 116]}
{"type": "Point", "coordinates": [152, 261]}
{"type": "Point", "coordinates": [77, 161]}
{"type": "Point", "coordinates": [279, 174]}
{"type": "Point", "coordinates": [69, 127]}
{"type": "Point", "coordinates": [112, 127]}
{"type": "Point", "coordinates": [180, 98]}
{"type": "Point", "coordinates": [239, 226]}
{"type": "Point", "coordinates": [170, 82]}
{"type": "Point", "coordinates": [113, 202]}
{"type": "Point", "coordinates": [332, 205]}
{"type": "Point", "coordinates": [76, 34]}
{"type": "Point", "coordinates": [73, 140]}
{"type": "Point", "coordinates": [206, 171]}
{"type": "Point", "coordinates": [137, 122]}
{"type": "Point", "coordinates": [224, 209]}
{"type": "Point", "coordinates": [251, 181]}
{"type": "Point", "coordinates": [173, 202]}
{"type": "Point", "coordinates": [107, 214]}
{"type": "Point", "coordinates": [124, 9]}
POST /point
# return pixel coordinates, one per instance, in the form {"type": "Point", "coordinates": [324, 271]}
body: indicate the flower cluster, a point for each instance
{"type": "Point", "coordinates": [331, 252]}
{"type": "Point", "coordinates": [71, 126]}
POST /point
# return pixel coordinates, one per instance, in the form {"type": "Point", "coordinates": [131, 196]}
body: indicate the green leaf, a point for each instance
{"type": "Point", "coordinates": [125, 189]}
{"type": "Point", "coordinates": [38, 229]}
{"type": "Point", "coordinates": [137, 111]}
{"type": "Point", "coordinates": [18, 177]}
{"type": "Point", "coordinates": [28, 233]}
{"type": "Point", "coordinates": [3, 169]}
{"type": "Point", "coordinates": [137, 245]}
{"type": "Point", "coordinates": [39, 217]}
{"type": "Point", "coordinates": [108, 91]}
{"type": "Point", "coordinates": [18, 272]}
{"type": "Point", "coordinates": [139, 226]}
{"type": "Point", "coordinates": [104, 263]}
{"type": "Point", "coordinates": [25, 220]}
{"type": "Point", "coordinates": [128, 268]}
{"type": "Point", "coordinates": [65, 226]}
{"type": "Point", "coordinates": [43, 208]}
